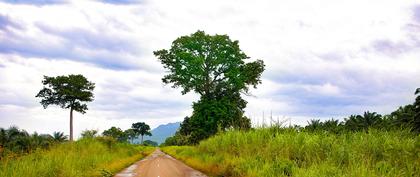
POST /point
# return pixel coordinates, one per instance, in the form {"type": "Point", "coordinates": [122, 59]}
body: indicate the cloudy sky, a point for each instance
{"type": "Point", "coordinates": [324, 59]}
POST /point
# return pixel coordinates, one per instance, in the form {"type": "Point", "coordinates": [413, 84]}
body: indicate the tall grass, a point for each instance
{"type": "Point", "coordinates": [86, 157]}
{"type": "Point", "coordinates": [287, 152]}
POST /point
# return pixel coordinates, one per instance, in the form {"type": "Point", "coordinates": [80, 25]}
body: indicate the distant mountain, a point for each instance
{"type": "Point", "coordinates": [160, 133]}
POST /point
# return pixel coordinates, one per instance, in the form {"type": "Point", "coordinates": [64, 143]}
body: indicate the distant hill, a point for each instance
{"type": "Point", "coordinates": [160, 133]}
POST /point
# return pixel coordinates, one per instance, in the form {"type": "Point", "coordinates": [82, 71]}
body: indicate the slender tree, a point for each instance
{"type": "Point", "coordinates": [417, 111]}
{"type": "Point", "coordinates": [68, 92]}
{"type": "Point", "coordinates": [142, 129]}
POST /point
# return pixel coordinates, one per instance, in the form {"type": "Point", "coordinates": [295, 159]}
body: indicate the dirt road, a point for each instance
{"type": "Point", "coordinates": [159, 164]}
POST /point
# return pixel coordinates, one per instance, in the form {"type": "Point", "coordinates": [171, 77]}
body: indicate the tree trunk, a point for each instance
{"type": "Point", "coordinates": [141, 139]}
{"type": "Point", "coordinates": [71, 123]}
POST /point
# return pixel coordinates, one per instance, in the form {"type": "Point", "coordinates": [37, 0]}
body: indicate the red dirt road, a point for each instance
{"type": "Point", "coordinates": [159, 164]}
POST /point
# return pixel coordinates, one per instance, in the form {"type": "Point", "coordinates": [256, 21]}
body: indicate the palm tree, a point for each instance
{"type": "Point", "coordinates": [141, 129]}
{"type": "Point", "coordinates": [371, 119]}
{"type": "Point", "coordinates": [403, 116]}
{"type": "Point", "coordinates": [59, 137]}
{"type": "Point", "coordinates": [314, 124]}
{"type": "Point", "coordinates": [358, 122]}
{"type": "Point", "coordinates": [332, 125]}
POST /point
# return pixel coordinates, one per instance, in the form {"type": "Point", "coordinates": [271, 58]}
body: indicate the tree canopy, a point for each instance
{"type": "Point", "coordinates": [69, 92]}
{"type": "Point", "coordinates": [214, 67]}
{"type": "Point", "coordinates": [116, 133]}
{"type": "Point", "coordinates": [208, 65]}
{"type": "Point", "coordinates": [142, 129]}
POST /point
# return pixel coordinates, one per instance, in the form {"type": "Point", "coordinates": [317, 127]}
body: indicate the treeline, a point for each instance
{"type": "Point", "coordinates": [15, 141]}
{"type": "Point", "coordinates": [136, 130]}
{"type": "Point", "coordinates": [404, 118]}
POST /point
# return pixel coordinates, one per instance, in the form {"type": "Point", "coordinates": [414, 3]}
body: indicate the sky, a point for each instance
{"type": "Point", "coordinates": [324, 58]}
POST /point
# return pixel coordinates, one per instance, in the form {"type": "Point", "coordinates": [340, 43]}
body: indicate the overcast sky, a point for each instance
{"type": "Point", "coordinates": [324, 58]}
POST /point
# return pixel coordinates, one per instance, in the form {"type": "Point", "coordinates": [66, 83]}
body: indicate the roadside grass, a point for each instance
{"type": "Point", "coordinates": [285, 152]}
{"type": "Point", "coordinates": [86, 157]}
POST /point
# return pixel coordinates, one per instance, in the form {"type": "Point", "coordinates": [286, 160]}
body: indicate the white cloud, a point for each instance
{"type": "Point", "coordinates": [323, 59]}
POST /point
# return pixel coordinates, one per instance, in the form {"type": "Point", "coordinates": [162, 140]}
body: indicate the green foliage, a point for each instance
{"type": "Point", "coordinates": [150, 143]}
{"type": "Point", "coordinates": [67, 92]}
{"type": "Point", "coordinates": [214, 67]}
{"type": "Point", "coordinates": [208, 64]}
{"type": "Point", "coordinates": [83, 158]}
{"type": "Point", "coordinates": [15, 142]}
{"type": "Point", "coordinates": [369, 119]}
{"type": "Point", "coordinates": [59, 137]}
{"type": "Point", "coordinates": [130, 134]}
{"type": "Point", "coordinates": [141, 128]}
{"type": "Point", "coordinates": [116, 133]}
{"type": "Point", "coordinates": [89, 134]}
{"type": "Point", "coordinates": [416, 122]}
{"type": "Point", "coordinates": [288, 152]}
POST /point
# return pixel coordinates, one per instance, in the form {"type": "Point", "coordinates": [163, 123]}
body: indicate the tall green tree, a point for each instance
{"type": "Point", "coordinates": [209, 64]}
{"type": "Point", "coordinates": [142, 129]}
{"type": "Point", "coordinates": [69, 92]}
{"type": "Point", "coordinates": [417, 110]}
{"type": "Point", "coordinates": [214, 67]}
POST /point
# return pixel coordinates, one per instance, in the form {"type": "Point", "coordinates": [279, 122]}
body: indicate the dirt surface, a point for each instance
{"type": "Point", "coordinates": [159, 164]}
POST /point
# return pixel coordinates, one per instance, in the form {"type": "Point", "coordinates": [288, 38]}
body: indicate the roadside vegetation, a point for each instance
{"type": "Point", "coordinates": [289, 152]}
{"type": "Point", "coordinates": [360, 145]}
{"type": "Point", "coordinates": [89, 156]}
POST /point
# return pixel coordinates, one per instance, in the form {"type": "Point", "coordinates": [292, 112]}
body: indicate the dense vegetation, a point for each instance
{"type": "Point", "coordinates": [361, 145]}
{"type": "Point", "coordinates": [15, 142]}
{"type": "Point", "coordinates": [214, 67]}
{"type": "Point", "coordinates": [404, 118]}
{"type": "Point", "coordinates": [24, 154]}
{"type": "Point", "coordinates": [101, 156]}
{"type": "Point", "coordinates": [288, 152]}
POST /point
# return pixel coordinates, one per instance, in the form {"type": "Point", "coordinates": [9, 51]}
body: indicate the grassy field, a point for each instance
{"type": "Point", "coordinates": [284, 152]}
{"type": "Point", "coordinates": [86, 157]}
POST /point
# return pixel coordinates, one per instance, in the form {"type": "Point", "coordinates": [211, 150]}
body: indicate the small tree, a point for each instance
{"type": "Point", "coordinates": [89, 133]}
{"type": "Point", "coordinates": [142, 129]}
{"type": "Point", "coordinates": [130, 134]}
{"type": "Point", "coordinates": [116, 133]}
{"type": "Point", "coordinates": [417, 110]}
{"type": "Point", "coordinates": [68, 92]}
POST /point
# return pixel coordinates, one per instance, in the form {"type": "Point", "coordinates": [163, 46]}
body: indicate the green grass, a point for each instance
{"type": "Point", "coordinates": [86, 157]}
{"type": "Point", "coordinates": [270, 152]}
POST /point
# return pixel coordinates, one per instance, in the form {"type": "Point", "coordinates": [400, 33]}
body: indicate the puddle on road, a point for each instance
{"type": "Point", "coordinates": [128, 172]}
